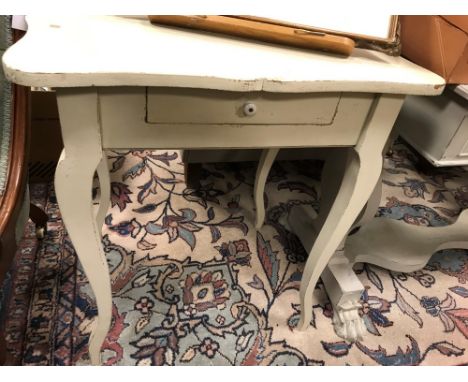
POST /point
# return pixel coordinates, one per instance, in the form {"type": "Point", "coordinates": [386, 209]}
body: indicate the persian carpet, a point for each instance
{"type": "Point", "coordinates": [195, 284]}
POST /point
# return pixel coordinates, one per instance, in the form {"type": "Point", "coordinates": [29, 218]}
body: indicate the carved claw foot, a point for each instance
{"type": "Point", "coordinates": [347, 321]}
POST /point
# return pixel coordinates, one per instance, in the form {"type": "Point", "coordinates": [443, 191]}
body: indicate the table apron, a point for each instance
{"type": "Point", "coordinates": [124, 124]}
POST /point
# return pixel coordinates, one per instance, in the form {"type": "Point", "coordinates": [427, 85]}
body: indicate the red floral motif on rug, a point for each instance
{"type": "Point", "coordinates": [194, 283]}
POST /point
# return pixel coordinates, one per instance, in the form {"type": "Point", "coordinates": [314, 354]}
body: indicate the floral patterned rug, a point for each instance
{"type": "Point", "coordinates": [195, 284]}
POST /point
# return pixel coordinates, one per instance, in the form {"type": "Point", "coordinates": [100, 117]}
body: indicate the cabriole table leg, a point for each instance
{"type": "Point", "coordinates": [363, 169]}
{"type": "Point", "coordinates": [73, 184]}
{"type": "Point", "coordinates": [264, 165]}
{"type": "Point", "coordinates": [105, 190]}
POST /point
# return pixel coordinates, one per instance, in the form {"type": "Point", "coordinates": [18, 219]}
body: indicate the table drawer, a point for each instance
{"type": "Point", "coordinates": [130, 119]}
{"type": "Point", "coordinates": [204, 106]}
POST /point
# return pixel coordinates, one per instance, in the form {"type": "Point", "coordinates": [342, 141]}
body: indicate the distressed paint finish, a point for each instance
{"type": "Point", "coordinates": [91, 59]}
{"type": "Point", "coordinates": [81, 157]}
{"type": "Point", "coordinates": [101, 51]}
{"type": "Point", "coordinates": [362, 169]}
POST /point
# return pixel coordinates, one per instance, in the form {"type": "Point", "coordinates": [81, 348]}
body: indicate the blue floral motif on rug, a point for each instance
{"type": "Point", "coordinates": [195, 284]}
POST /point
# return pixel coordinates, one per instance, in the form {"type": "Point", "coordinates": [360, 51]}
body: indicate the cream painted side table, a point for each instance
{"type": "Point", "coordinates": [124, 83]}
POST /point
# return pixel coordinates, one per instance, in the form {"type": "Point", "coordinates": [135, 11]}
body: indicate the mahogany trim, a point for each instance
{"type": "Point", "coordinates": [12, 199]}
{"type": "Point", "coordinates": [11, 202]}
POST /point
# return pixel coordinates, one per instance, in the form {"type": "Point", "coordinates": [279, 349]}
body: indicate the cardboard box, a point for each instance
{"type": "Point", "coordinates": [438, 43]}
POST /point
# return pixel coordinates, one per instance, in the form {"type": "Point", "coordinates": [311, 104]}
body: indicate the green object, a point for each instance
{"type": "Point", "coordinates": [5, 104]}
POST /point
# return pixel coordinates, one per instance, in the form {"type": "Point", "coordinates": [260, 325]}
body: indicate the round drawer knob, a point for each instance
{"type": "Point", "coordinates": [250, 109]}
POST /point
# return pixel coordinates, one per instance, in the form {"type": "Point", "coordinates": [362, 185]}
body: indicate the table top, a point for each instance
{"type": "Point", "coordinates": [77, 51]}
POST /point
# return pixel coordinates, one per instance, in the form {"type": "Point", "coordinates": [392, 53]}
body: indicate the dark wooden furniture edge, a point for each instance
{"type": "Point", "coordinates": [13, 197]}
{"type": "Point", "coordinates": [11, 202]}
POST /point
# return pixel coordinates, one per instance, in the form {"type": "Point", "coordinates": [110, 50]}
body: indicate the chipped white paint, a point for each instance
{"type": "Point", "coordinates": [437, 127]}
{"type": "Point", "coordinates": [82, 156]}
{"type": "Point", "coordinates": [104, 65]}
{"type": "Point", "coordinates": [64, 51]}
{"type": "Point", "coordinates": [403, 247]}
{"type": "Point", "coordinates": [361, 167]}
{"type": "Point", "coordinates": [266, 161]}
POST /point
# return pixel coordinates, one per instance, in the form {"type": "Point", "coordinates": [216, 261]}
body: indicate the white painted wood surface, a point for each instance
{"type": "Point", "coordinates": [104, 190]}
{"type": "Point", "coordinates": [462, 90]}
{"type": "Point", "coordinates": [388, 243]}
{"type": "Point", "coordinates": [69, 51]}
{"type": "Point", "coordinates": [344, 290]}
{"type": "Point", "coordinates": [266, 161]}
{"type": "Point", "coordinates": [80, 159]}
{"type": "Point", "coordinates": [207, 106]}
{"type": "Point", "coordinates": [122, 107]}
{"type": "Point", "coordinates": [401, 247]}
{"type": "Point", "coordinates": [437, 127]}
{"type": "Point", "coordinates": [363, 166]}
{"type": "Point", "coordinates": [342, 285]}
{"type": "Point", "coordinates": [105, 64]}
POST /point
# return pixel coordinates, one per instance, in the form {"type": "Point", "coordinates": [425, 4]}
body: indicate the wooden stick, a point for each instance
{"type": "Point", "coordinates": [261, 31]}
